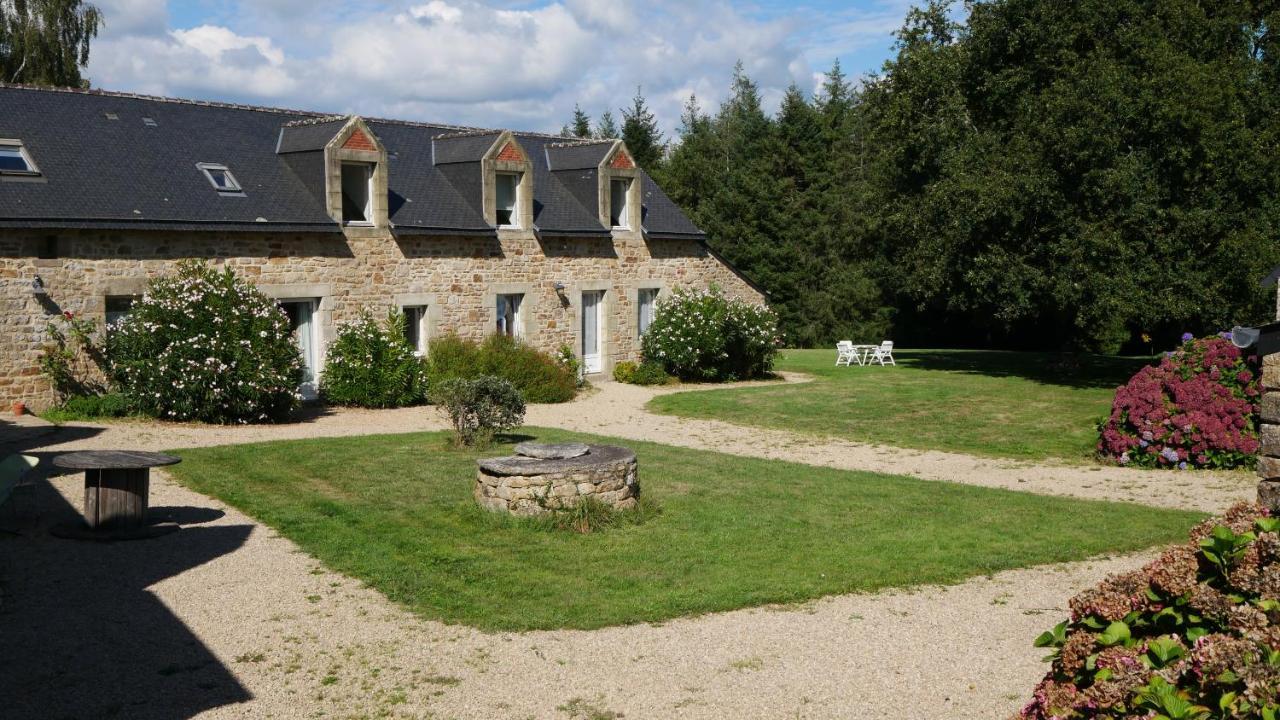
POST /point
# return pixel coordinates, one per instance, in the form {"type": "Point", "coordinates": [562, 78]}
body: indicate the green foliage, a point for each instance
{"type": "Point", "coordinates": [88, 407]}
{"type": "Point", "coordinates": [73, 359]}
{"type": "Point", "coordinates": [46, 42]}
{"type": "Point", "coordinates": [479, 408]}
{"type": "Point", "coordinates": [704, 335]}
{"type": "Point", "coordinates": [646, 373]}
{"type": "Point", "coordinates": [580, 126]}
{"type": "Point", "coordinates": [206, 345]}
{"type": "Point", "coordinates": [641, 134]}
{"type": "Point", "coordinates": [1046, 174]}
{"type": "Point", "coordinates": [607, 127]}
{"type": "Point", "coordinates": [540, 378]}
{"type": "Point", "coordinates": [1190, 636]}
{"type": "Point", "coordinates": [370, 364]}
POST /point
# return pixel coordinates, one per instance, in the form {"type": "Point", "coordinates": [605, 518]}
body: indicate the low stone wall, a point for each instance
{"type": "Point", "coordinates": [1269, 454]}
{"type": "Point", "coordinates": [523, 485]}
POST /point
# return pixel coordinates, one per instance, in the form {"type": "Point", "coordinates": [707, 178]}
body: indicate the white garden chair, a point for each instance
{"type": "Point", "coordinates": [845, 354]}
{"type": "Point", "coordinates": [883, 354]}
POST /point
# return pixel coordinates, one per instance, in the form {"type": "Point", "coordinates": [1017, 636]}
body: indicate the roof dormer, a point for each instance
{"type": "Point", "coordinates": [501, 167]}
{"type": "Point", "coordinates": [351, 159]}
{"type": "Point", "coordinates": [619, 189]}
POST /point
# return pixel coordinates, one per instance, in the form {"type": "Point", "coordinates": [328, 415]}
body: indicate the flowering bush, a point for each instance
{"type": "Point", "coordinates": [479, 407]}
{"type": "Point", "coordinates": [1196, 408]}
{"type": "Point", "coordinates": [540, 377]}
{"type": "Point", "coordinates": [703, 335]}
{"type": "Point", "coordinates": [205, 345]}
{"type": "Point", "coordinates": [1193, 635]}
{"type": "Point", "coordinates": [370, 364]}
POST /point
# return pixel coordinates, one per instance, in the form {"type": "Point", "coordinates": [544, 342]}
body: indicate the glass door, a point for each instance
{"type": "Point", "coordinates": [592, 302]}
{"type": "Point", "coordinates": [302, 323]}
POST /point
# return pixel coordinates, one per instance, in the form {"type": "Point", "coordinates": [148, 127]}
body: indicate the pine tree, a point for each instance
{"type": "Point", "coordinates": [579, 126]}
{"type": "Point", "coordinates": [607, 127]}
{"type": "Point", "coordinates": [641, 134]}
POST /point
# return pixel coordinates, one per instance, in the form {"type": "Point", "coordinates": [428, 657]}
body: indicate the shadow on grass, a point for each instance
{"type": "Point", "coordinates": [1068, 369]}
{"type": "Point", "coordinates": [81, 634]}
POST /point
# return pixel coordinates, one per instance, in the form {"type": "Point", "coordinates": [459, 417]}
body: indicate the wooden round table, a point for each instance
{"type": "Point", "coordinates": [116, 486]}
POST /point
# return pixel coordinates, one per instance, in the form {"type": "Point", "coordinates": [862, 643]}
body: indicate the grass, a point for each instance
{"type": "Point", "coordinates": [396, 512]}
{"type": "Point", "coordinates": [1028, 406]}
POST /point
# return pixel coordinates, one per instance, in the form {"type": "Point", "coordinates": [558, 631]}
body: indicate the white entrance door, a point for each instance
{"type": "Point", "coordinates": [302, 322]}
{"type": "Point", "coordinates": [592, 305]}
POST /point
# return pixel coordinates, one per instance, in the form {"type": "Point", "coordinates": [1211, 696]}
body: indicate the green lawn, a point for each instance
{"type": "Point", "coordinates": [396, 511]}
{"type": "Point", "coordinates": [998, 404]}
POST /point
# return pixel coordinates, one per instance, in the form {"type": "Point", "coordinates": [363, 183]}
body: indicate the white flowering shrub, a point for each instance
{"type": "Point", "coordinates": [370, 364]}
{"type": "Point", "coordinates": [206, 345]}
{"type": "Point", "coordinates": [703, 335]}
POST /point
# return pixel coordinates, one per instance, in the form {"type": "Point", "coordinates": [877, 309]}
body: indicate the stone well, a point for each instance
{"type": "Point", "coordinates": [544, 478]}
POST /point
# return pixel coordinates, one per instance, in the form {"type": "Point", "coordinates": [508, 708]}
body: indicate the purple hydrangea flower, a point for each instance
{"type": "Point", "coordinates": [1188, 337]}
{"type": "Point", "coordinates": [1169, 454]}
{"type": "Point", "coordinates": [1182, 465]}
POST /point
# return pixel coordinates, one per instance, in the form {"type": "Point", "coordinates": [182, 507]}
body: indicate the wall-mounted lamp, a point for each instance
{"type": "Point", "coordinates": [37, 287]}
{"type": "Point", "coordinates": [559, 286]}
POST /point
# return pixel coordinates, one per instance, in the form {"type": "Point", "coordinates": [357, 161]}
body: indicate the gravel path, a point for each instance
{"type": "Point", "coordinates": [227, 620]}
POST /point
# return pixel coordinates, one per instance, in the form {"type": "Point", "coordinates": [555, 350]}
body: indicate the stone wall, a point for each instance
{"type": "Point", "coordinates": [529, 486]}
{"type": "Point", "coordinates": [1269, 454]}
{"type": "Point", "coordinates": [457, 278]}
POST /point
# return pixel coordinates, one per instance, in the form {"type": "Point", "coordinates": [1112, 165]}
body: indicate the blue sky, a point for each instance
{"type": "Point", "coordinates": [489, 63]}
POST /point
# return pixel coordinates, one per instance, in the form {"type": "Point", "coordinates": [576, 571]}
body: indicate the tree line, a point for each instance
{"type": "Point", "coordinates": [1040, 175]}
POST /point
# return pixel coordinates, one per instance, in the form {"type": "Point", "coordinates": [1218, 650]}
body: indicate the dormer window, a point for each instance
{"type": "Point", "coordinates": [14, 159]}
{"type": "Point", "coordinates": [220, 177]}
{"type": "Point", "coordinates": [507, 198]}
{"type": "Point", "coordinates": [619, 209]}
{"type": "Point", "coordinates": [357, 193]}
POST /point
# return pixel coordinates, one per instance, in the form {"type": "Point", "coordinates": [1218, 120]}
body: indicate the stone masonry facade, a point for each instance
{"type": "Point", "coordinates": [1269, 415]}
{"type": "Point", "coordinates": [456, 278]}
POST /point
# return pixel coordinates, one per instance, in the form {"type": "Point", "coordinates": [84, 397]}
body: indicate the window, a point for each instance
{"type": "Point", "coordinates": [645, 299]}
{"type": "Point", "coordinates": [509, 315]}
{"type": "Point", "coordinates": [149, 122]}
{"type": "Point", "coordinates": [118, 306]}
{"type": "Point", "coordinates": [619, 189]}
{"type": "Point", "coordinates": [415, 328]}
{"type": "Point", "coordinates": [506, 193]}
{"type": "Point", "coordinates": [301, 314]}
{"type": "Point", "coordinates": [14, 159]}
{"type": "Point", "coordinates": [220, 177]}
{"type": "Point", "coordinates": [356, 194]}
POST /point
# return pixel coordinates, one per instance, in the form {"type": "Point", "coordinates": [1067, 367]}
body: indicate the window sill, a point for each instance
{"type": "Point", "coordinates": [357, 223]}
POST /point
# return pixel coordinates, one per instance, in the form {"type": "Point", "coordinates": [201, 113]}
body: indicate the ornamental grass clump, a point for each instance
{"type": "Point", "coordinates": [1193, 635]}
{"type": "Point", "coordinates": [1197, 408]}
{"type": "Point", "coordinates": [370, 364]}
{"type": "Point", "coordinates": [205, 345]}
{"type": "Point", "coordinates": [702, 335]}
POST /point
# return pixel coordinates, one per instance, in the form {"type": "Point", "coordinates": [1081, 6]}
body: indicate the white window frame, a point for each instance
{"type": "Point", "coordinates": [653, 293]}
{"type": "Point", "coordinates": [232, 189]}
{"type": "Point", "coordinates": [515, 198]}
{"type": "Point", "coordinates": [32, 169]}
{"type": "Point", "coordinates": [370, 169]}
{"type": "Point", "coordinates": [625, 214]}
{"type": "Point", "coordinates": [419, 324]}
{"type": "Point", "coordinates": [516, 327]}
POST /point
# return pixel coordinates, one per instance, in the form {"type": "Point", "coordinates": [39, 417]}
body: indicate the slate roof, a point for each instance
{"type": "Point", "coordinates": [119, 174]}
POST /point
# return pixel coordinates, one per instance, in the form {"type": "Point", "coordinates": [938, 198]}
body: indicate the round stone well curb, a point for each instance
{"type": "Point", "coordinates": [546, 478]}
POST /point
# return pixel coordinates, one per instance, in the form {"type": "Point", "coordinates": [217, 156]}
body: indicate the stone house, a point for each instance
{"type": "Point", "coordinates": [470, 231]}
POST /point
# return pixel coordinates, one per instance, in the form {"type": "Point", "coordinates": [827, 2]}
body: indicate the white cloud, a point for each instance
{"type": "Point", "coordinates": [493, 63]}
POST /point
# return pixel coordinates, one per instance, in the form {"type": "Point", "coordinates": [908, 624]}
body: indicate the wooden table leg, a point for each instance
{"type": "Point", "coordinates": [116, 499]}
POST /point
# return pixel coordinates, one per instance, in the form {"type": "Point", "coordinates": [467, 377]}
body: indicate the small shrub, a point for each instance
{"type": "Point", "coordinates": [1194, 634]}
{"type": "Point", "coordinates": [206, 345]}
{"type": "Point", "coordinates": [1197, 408]}
{"type": "Point", "coordinates": [479, 408]}
{"type": "Point", "coordinates": [370, 364]}
{"type": "Point", "coordinates": [646, 373]}
{"type": "Point", "coordinates": [703, 335]}
{"type": "Point", "coordinates": [88, 407]}
{"type": "Point", "coordinates": [539, 377]}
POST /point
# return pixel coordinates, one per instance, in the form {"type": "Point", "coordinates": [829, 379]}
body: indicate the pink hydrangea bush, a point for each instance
{"type": "Point", "coordinates": [1197, 408]}
{"type": "Point", "coordinates": [1194, 634]}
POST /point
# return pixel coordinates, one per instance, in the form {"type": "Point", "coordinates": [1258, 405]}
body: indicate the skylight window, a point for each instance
{"type": "Point", "coordinates": [220, 177]}
{"type": "Point", "coordinates": [14, 159]}
{"type": "Point", "coordinates": [149, 122]}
